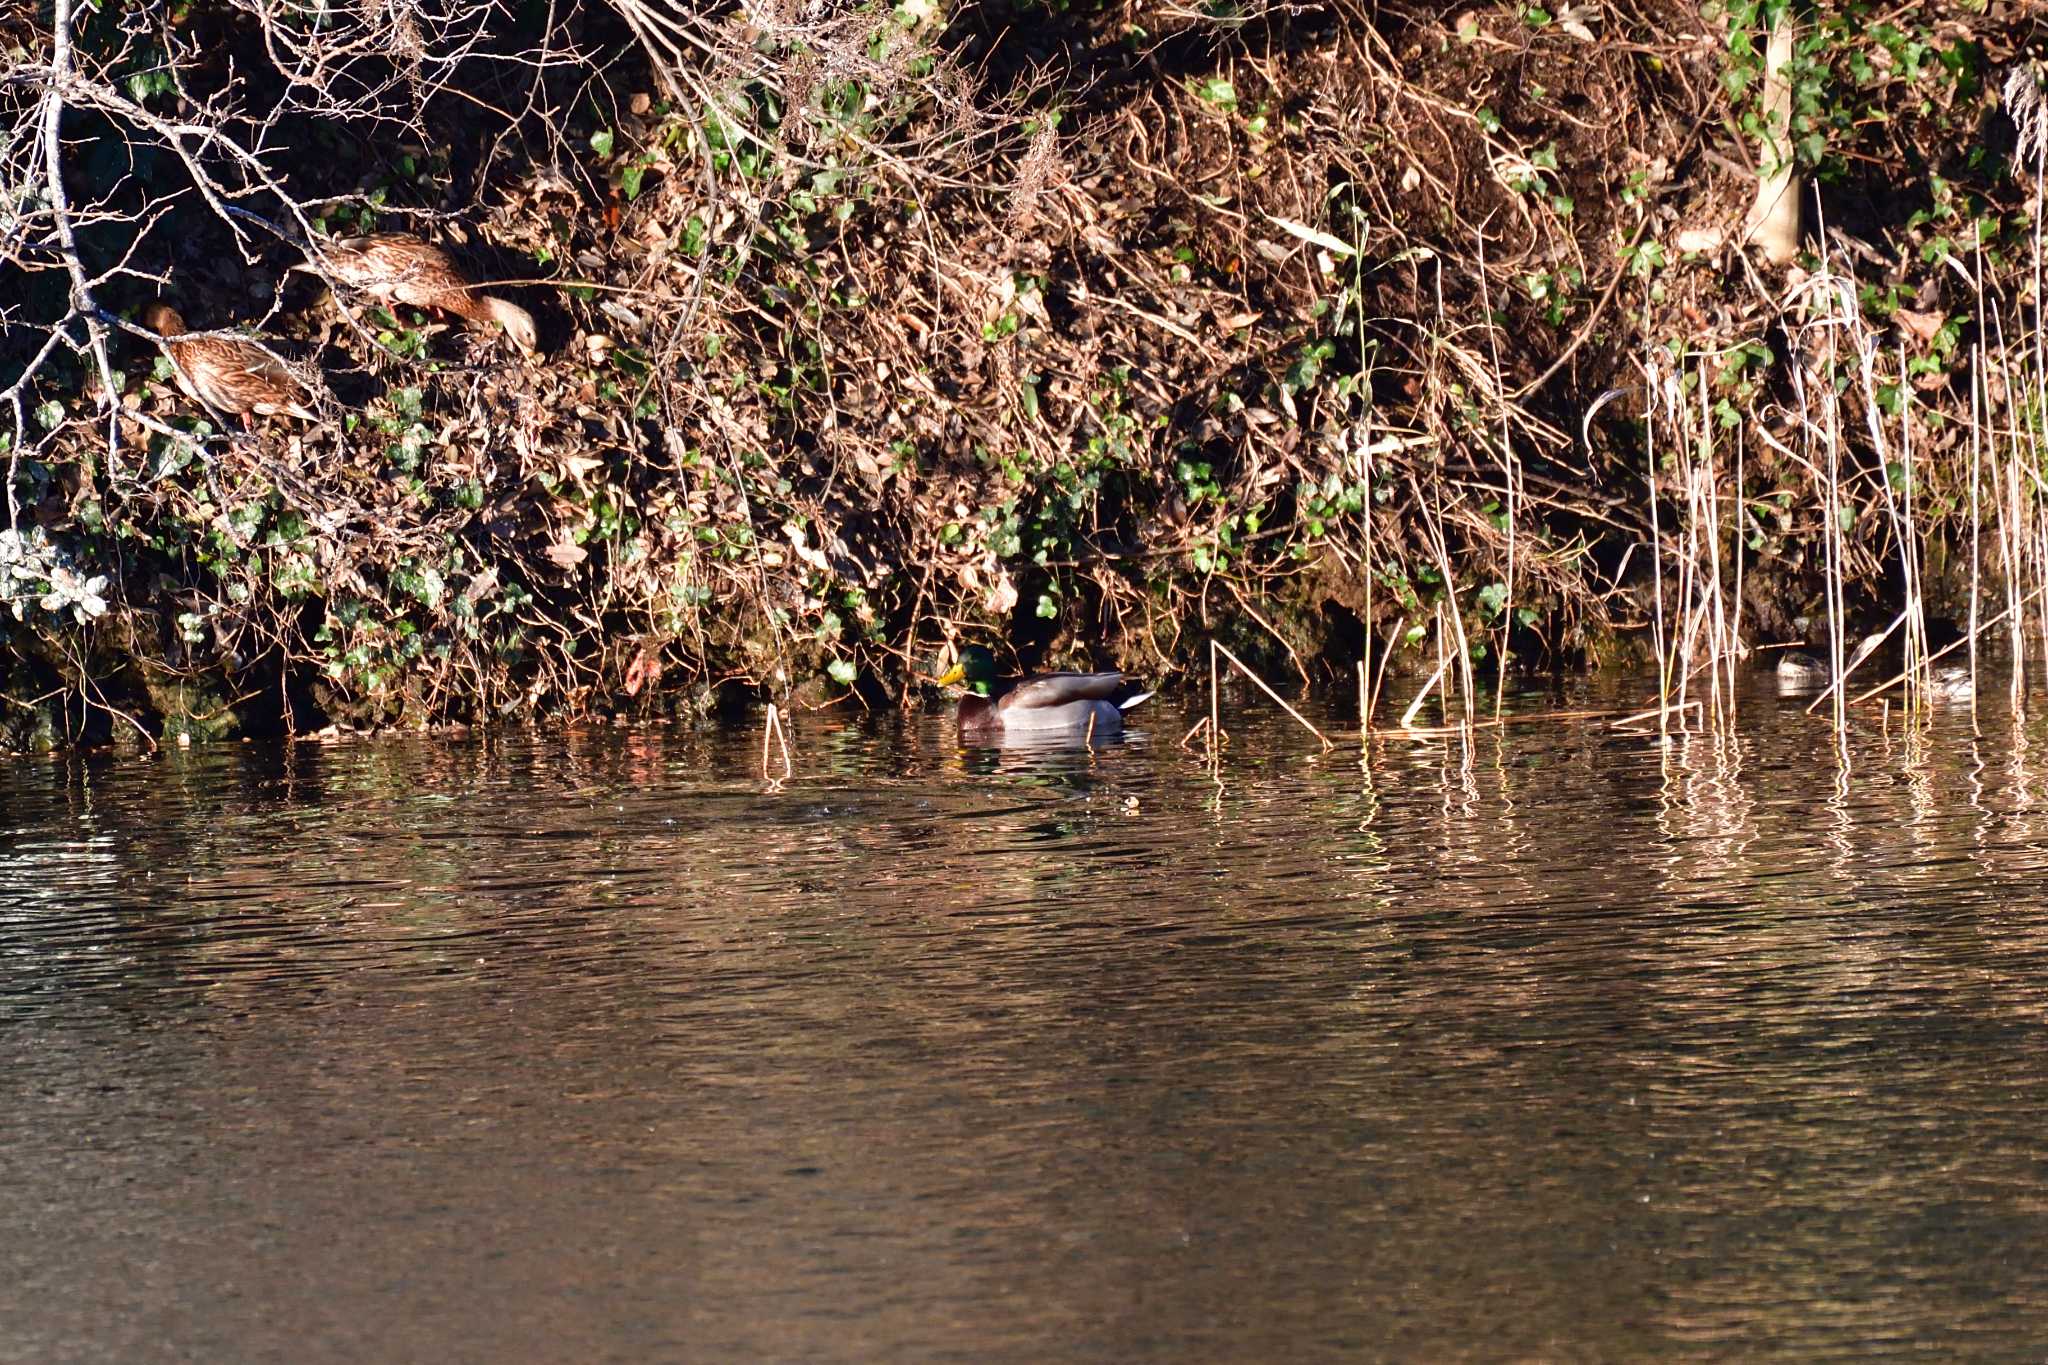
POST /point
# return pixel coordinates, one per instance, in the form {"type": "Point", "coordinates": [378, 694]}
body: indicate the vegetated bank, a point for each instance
{"type": "Point", "coordinates": [1086, 330]}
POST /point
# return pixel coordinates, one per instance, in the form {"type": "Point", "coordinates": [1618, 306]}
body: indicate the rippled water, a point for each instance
{"type": "Point", "coordinates": [1566, 1046]}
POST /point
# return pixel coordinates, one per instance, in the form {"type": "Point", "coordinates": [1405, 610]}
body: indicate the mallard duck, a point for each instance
{"type": "Point", "coordinates": [397, 267]}
{"type": "Point", "coordinates": [1043, 707]}
{"type": "Point", "coordinates": [1799, 671]}
{"type": "Point", "coordinates": [237, 377]}
{"type": "Point", "coordinates": [1951, 682]}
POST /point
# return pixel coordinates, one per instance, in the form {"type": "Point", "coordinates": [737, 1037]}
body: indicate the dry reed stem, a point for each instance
{"type": "Point", "coordinates": [1505, 720]}
{"type": "Point", "coordinates": [1656, 528]}
{"type": "Point", "coordinates": [1386, 653]}
{"type": "Point", "coordinates": [1660, 714]}
{"type": "Point", "coordinates": [1423, 695]}
{"type": "Point", "coordinates": [1215, 736]}
{"type": "Point", "coordinates": [1245, 669]}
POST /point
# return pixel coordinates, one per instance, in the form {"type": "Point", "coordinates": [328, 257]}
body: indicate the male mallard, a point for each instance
{"type": "Point", "coordinates": [1042, 707]}
{"type": "Point", "coordinates": [397, 267]}
{"type": "Point", "coordinates": [234, 377]}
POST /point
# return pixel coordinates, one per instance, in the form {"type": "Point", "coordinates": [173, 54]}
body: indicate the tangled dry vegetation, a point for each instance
{"type": "Point", "coordinates": [1330, 329]}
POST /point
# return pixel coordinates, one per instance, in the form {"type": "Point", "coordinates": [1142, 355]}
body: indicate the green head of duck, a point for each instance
{"type": "Point", "coordinates": [974, 670]}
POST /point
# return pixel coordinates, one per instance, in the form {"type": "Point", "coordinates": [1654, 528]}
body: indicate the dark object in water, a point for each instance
{"type": "Point", "coordinates": [1799, 671]}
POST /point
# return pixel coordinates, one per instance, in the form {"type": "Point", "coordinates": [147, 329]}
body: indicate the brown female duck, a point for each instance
{"type": "Point", "coordinates": [230, 376]}
{"type": "Point", "coordinates": [397, 267]}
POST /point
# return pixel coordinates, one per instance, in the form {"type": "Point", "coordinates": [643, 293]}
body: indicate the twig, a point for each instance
{"type": "Point", "coordinates": [1422, 696]}
{"type": "Point", "coordinates": [1281, 702]}
{"type": "Point", "coordinates": [1658, 713]}
{"type": "Point", "coordinates": [776, 731]}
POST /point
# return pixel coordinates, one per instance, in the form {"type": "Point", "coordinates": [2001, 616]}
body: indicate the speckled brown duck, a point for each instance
{"type": "Point", "coordinates": [397, 267]}
{"type": "Point", "coordinates": [235, 377]}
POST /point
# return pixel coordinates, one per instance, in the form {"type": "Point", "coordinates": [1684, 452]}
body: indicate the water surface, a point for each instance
{"type": "Point", "coordinates": [1561, 1045]}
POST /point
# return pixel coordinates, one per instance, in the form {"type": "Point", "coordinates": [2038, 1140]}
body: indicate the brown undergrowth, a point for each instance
{"type": "Point", "coordinates": [1099, 331]}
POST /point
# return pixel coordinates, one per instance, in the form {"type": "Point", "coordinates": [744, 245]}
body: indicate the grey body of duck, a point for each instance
{"type": "Point", "coordinates": [1951, 682]}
